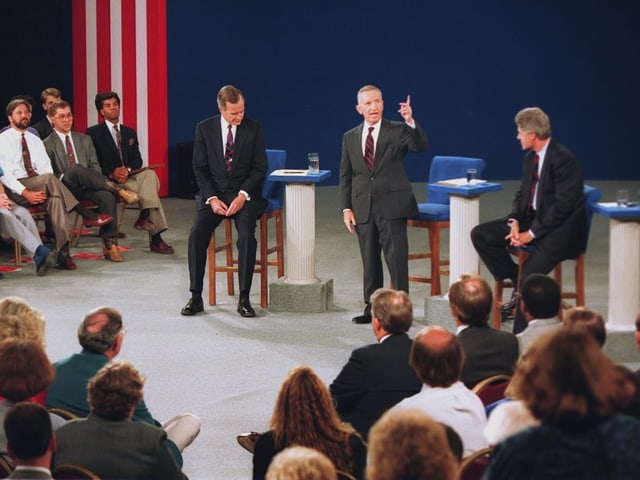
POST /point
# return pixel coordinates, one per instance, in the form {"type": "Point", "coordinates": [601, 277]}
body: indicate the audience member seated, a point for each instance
{"type": "Point", "coordinates": [301, 463]}
{"type": "Point", "coordinates": [101, 334]}
{"type": "Point", "coordinates": [592, 322]}
{"type": "Point", "coordinates": [575, 391]}
{"type": "Point", "coordinates": [30, 440]}
{"type": "Point", "coordinates": [304, 415]}
{"type": "Point", "coordinates": [24, 371]}
{"type": "Point", "coordinates": [487, 351]}
{"type": "Point", "coordinates": [409, 445]}
{"type": "Point", "coordinates": [437, 357]}
{"type": "Point", "coordinates": [108, 442]}
{"type": "Point", "coordinates": [539, 303]}
{"type": "Point", "coordinates": [378, 376]}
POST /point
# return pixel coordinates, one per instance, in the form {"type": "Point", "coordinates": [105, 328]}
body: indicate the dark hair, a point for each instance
{"type": "Point", "coordinates": [102, 96]}
{"type": "Point", "coordinates": [28, 429]}
{"type": "Point", "coordinates": [541, 295]}
{"type": "Point", "coordinates": [471, 299]}
{"type": "Point", "coordinates": [102, 340]}
{"type": "Point", "coordinates": [454, 440]}
{"type": "Point", "coordinates": [25, 369]}
{"type": "Point", "coordinates": [393, 309]}
{"type": "Point", "coordinates": [13, 104]}
{"type": "Point", "coordinates": [437, 356]}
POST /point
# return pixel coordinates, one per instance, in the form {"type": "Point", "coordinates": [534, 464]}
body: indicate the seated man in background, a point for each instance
{"type": "Point", "coordinates": [107, 442]}
{"type": "Point", "coordinates": [30, 441]}
{"type": "Point", "coordinates": [101, 334]}
{"type": "Point", "coordinates": [49, 96]}
{"type": "Point", "coordinates": [487, 351]}
{"type": "Point", "coordinates": [74, 160]}
{"type": "Point", "coordinates": [540, 303]}
{"type": "Point", "coordinates": [437, 357]}
{"type": "Point", "coordinates": [378, 376]}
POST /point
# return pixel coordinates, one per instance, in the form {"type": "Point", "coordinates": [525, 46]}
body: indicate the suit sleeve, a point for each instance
{"type": "Point", "coordinates": [414, 138]}
{"type": "Point", "coordinates": [258, 164]}
{"type": "Point", "coordinates": [204, 179]}
{"type": "Point", "coordinates": [92, 156]}
{"type": "Point", "coordinates": [347, 389]}
{"type": "Point", "coordinates": [346, 175]}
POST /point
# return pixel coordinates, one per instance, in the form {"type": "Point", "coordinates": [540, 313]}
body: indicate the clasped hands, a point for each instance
{"type": "Point", "coordinates": [220, 208]}
{"type": "Point", "coordinates": [120, 174]}
{"type": "Point", "coordinates": [516, 237]}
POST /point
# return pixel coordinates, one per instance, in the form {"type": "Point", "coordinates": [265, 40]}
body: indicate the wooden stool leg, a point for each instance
{"type": "Point", "coordinates": [434, 247]}
{"type": "Point", "coordinates": [280, 240]}
{"type": "Point", "coordinates": [497, 303]}
{"type": "Point", "coordinates": [264, 263]}
{"type": "Point", "coordinates": [228, 233]}
{"type": "Point", "coordinates": [212, 269]}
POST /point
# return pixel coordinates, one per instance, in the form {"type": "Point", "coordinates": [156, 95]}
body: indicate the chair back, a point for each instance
{"type": "Point", "coordinates": [448, 167]}
{"type": "Point", "coordinates": [64, 413]}
{"type": "Point", "coordinates": [474, 466]}
{"type": "Point", "coordinates": [5, 466]}
{"type": "Point", "coordinates": [274, 191]}
{"type": "Point", "coordinates": [491, 389]}
{"type": "Point", "coordinates": [70, 471]}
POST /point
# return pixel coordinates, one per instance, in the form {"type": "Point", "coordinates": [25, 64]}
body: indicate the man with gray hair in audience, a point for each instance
{"type": "Point", "coordinates": [101, 334]}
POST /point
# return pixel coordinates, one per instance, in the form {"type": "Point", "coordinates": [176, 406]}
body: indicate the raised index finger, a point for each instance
{"type": "Point", "coordinates": [408, 99]}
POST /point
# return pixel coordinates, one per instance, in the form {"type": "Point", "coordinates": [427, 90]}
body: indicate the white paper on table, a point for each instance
{"type": "Point", "coordinates": [456, 182]}
{"type": "Point", "coordinates": [290, 173]}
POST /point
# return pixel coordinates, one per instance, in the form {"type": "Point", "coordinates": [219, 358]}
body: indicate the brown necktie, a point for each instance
{"type": "Point", "coordinates": [70, 156]}
{"type": "Point", "coordinates": [119, 142]}
{"type": "Point", "coordinates": [534, 182]}
{"type": "Point", "coordinates": [368, 150]}
{"type": "Point", "coordinates": [26, 158]}
{"type": "Point", "coordinates": [228, 150]}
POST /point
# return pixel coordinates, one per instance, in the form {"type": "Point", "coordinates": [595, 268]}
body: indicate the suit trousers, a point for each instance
{"type": "Point", "coordinates": [147, 185]}
{"type": "Point", "coordinates": [18, 224]}
{"type": "Point", "coordinates": [88, 184]}
{"type": "Point", "coordinates": [204, 224]}
{"type": "Point", "coordinates": [389, 236]}
{"type": "Point", "coordinates": [60, 201]}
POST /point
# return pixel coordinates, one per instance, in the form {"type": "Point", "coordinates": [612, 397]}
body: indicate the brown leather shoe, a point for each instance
{"type": "Point", "coordinates": [144, 224]}
{"type": "Point", "coordinates": [248, 440]}
{"type": "Point", "coordinates": [102, 219]}
{"type": "Point", "coordinates": [128, 196]}
{"type": "Point", "coordinates": [162, 247]}
{"type": "Point", "coordinates": [66, 263]}
{"type": "Point", "coordinates": [112, 253]}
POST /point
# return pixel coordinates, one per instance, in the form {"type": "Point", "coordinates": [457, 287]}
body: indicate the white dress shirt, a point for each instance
{"type": "Point", "coordinates": [11, 158]}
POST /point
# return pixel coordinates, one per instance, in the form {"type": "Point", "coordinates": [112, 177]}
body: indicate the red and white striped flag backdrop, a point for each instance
{"type": "Point", "coordinates": [121, 45]}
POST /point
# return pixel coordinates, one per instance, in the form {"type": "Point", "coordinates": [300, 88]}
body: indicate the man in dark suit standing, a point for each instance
{"type": "Point", "coordinates": [487, 351]}
{"type": "Point", "coordinates": [229, 163]}
{"type": "Point", "coordinates": [375, 193]}
{"type": "Point", "coordinates": [378, 376]}
{"type": "Point", "coordinates": [548, 210]}
{"type": "Point", "coordinates": [119, 155]}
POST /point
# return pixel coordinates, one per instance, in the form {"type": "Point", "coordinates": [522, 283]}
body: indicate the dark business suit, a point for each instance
{"type": "Point", "coordinates": [84, 179]}
{"type": "Point", "coordinates": [375, 378]}
{"type": "Point", "coordinates": [487, 352]}
{"type": "Point", "coordinates": [44, 127]}
{"type": "Point", "coordinates": [249, 167]}
{"type": "Point", "coordinates": [559, 223]}
{"type": "Point", "coordinates": [381, 200]}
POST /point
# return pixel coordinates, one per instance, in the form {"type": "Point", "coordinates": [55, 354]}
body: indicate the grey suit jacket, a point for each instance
{"type": "Point", "coordinates": [388, 181]}
{"type": "Point", "coordinates": [533, 331]}
{"type": "Point", "coordinates": [30, 473]}
{"type": "Point", "coordinates": [84, 149]}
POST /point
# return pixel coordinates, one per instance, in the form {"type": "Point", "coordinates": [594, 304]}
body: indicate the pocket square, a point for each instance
{"type": "Point", "coordinates": [131, 141]}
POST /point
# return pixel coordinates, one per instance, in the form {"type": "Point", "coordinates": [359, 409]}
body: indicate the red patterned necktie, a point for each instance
{"type": "Point", "coordinates": [228, 150]}
{"type": "Point", "coordinates": [368, 150]}
{"type": "Point", "coordinates": [26, 158]}
{"type": "Point", "coordinates": [70, 156]}
{"type": "Point", "coordinates": [534, 182]}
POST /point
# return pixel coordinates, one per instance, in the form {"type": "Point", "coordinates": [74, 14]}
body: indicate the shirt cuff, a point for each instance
{"type": "Point", "coordinates": [246, 195]}
{"type": "Point", "coordinates": [210, 198]}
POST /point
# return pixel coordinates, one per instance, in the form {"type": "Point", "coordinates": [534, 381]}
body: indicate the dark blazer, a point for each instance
{"type": "Point", "coordinates": [249, 162]}
{"type": "Point", "coordinates": [43, 127]}
{"type": "Point", "coordinates": [107, 150]}
{"type": "Point", "coordinates": [388, 181]}
{"type": "Point", "coordinates": [375, 378]}
{"type": "Point", "coordinates": [560, 209]}
{"type": "Point", "coordinates": [85, 151]}
{"type": "Point", "coordinates": [487, 352]}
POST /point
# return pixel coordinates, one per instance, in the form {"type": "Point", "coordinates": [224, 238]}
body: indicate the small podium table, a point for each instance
{"type": "Point", "coordinates": [464, 215]}
{"type": "Point", "coordinates": [289, 293]}
{"type": "Point", "coordinates": [624, 263]}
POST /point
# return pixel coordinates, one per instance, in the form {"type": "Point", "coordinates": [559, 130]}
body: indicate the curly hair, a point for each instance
{"type": "Point", "coordinates": [19, 320]}
{"type": "Point", "coordinates": [301, 462]}
{"type": "Point", "coordinates": [115, 390]}
{"type": "Point", "coordinates": [304, 415]}
{"type": "Point", "coordinates": [567, 380]}
{"type": "Point", "coordinates": [407, 444]}
{"type": "Point", "coordinates": [25, 369]}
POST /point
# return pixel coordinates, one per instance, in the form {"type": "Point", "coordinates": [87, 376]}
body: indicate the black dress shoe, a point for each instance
{"type": "Point", "coordinates": [361, 319]}
{"type": "Point", "coordinates": [193, 306]}
{"type": "Point", "coordinates": [245, 309]}
{"type": "Point", "coordinates": [507, 307]}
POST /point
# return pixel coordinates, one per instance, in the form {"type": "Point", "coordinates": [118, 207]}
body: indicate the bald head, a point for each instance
{"type": "Point", "coordinates": [437, 356]}
{"type": "Point", "coordinates": [99, 330]}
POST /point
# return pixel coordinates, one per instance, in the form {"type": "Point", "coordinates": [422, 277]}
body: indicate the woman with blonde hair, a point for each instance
{"type": "Point", "coordinates": [19, 320]}
{"type": "Point", "coordinates": [301, 463]}
{"type": "Point", "coordinates": [304, 415]}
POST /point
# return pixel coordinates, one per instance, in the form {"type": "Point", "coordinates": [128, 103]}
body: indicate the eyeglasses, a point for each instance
{"type": "Point", "coordinates": [62, 116]}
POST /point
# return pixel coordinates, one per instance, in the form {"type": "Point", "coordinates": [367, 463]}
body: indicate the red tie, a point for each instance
{"type": "Point", "coordinates": [70, 156]}
{"type": "Point", "coordinates": [26, 158]}
{"type": "Point", "coordinates": [228, 150]}
{"type": "Point", "coordinates": [368, 150]}
{"type": "Point", "coordinates": [534, 182]}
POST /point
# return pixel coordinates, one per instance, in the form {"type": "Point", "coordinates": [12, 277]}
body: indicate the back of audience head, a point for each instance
{"type": "Point", "coordinates": [19, 320]}
{"type": "Point", "coordinates": [471, 300]}
{"type": "Point", "coordinates": [301, 463]}
{"type": "Point", "coordinates": [588, 320]}
{"type": "Point", "coordinates": [409, 445]}
{"type": "Point", "coordinates": [28, 430]}
{"type": "Point", "coordinates": [100, 331]}
{"type": "Point", "coordinates": [566, 380]}
{"type": "Point", "coordinates": [541, 296]}
{"type": "Point", "coordinates": [393, 309]}
{"type": "Point", "coordinates": [638, 330]}
{"type": "Point", "coordinates": [437, 356]}
{"type": "Point", "coordinates": [25, 369]}
{"type": "Point", "coordinates": [454, 441]}
{"type": "Point", "coordinates": [116, 390]}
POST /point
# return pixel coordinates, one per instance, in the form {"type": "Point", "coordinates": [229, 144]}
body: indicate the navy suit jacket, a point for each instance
{"type": "Point", "coordinates": [375, 378]}
{"type": "Point", "coordinates": [107, 150]}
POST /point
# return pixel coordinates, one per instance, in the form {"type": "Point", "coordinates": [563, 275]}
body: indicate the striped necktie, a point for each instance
{"type": "Point", "coordinates": [228, 150]}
